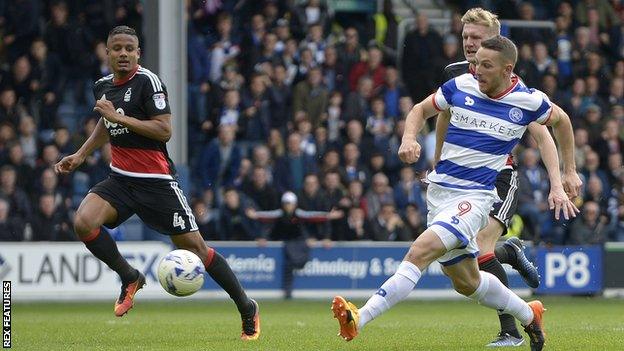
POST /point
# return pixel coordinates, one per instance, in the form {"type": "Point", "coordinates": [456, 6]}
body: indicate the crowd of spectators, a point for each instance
{"type": "Point", "coordinates": [289, 96]}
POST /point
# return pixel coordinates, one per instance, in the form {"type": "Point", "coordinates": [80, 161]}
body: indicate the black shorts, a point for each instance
{"type": "Point", "coordinates": [507, 188]}
{"type": "Point", "coordinates": [160, 203]}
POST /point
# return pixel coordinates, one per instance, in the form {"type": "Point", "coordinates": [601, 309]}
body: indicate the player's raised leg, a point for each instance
{"type": "Point", "coordinates": [425, 249]}
{"type": "Point", "coordinates": [487, 290]}
{"type": "Point", "coordinates": [92, 213]}
{"type": "Point", "coordinates": [219, 270]}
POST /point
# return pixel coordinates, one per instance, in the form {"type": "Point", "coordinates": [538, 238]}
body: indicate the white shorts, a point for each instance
{"type": "Point", "coordinates": [456, 216]}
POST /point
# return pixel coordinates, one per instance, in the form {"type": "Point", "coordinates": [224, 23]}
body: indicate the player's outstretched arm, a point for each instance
{"type": "Point", "coordinates": [157, 128]}
{"type": "Point", "coordinates": [562, 128]}
{"type": "Point", "coordinates": [558, 199]}
{"type": "Point", "coordinates": [98, 137]}
{"type": "Point", "coordinates": [442, 123]}
{"type": "Point", "coordinates": [548, 151]}
{"type": "Point", "coordinates": [409, 151]}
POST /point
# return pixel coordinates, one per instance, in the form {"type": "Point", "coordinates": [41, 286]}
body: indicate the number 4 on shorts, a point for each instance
{"type": "Point", "coordinates": [178, 221]}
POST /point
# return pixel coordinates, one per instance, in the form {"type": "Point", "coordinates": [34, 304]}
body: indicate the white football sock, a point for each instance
{"type": "Point", "coordinates": [492, 293]}
{"type": "Point", "coordinates": [393, 290]}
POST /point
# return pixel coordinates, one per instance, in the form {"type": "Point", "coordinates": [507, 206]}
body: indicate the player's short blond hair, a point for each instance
{"type": "Point", "coordinates": [482, 17]}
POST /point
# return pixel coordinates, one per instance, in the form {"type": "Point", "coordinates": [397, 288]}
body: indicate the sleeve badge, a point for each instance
{"type": "Point", "coordinates": [160, 101]}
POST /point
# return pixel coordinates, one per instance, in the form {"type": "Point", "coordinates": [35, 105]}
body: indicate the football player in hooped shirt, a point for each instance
{"type": "Point", "coordinates": [478, 25]}
{"type": "Point", "coordinates": [136, 119]}
{"type": "Point", "coordinates": [489, 113]}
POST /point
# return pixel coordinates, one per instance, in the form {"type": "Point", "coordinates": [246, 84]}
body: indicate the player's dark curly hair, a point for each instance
{"type": "Point", "coordinates": [123, 30]}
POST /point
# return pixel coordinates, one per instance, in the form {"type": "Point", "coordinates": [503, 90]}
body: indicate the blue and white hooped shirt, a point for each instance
{"type": "Point", "coordinates": [483, 130]}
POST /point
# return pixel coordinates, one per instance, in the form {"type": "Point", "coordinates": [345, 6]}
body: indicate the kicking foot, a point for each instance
{"type": "Point", "coordinates": [348, 317]}
{"type": "Point", "coordinates": [251, 325]}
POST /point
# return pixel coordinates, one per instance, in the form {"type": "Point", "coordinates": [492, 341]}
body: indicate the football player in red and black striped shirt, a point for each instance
{"type": "Point", "coordinates": [136, 119]}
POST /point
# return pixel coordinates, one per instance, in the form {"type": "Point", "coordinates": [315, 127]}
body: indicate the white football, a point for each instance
{"type": "Point", "coordinates": [181, 273]}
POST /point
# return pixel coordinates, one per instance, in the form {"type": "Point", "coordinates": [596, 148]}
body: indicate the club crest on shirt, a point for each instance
{"type": "Point", "coordinates": [128, 95]}
{"type": "Point", "coordinates": [159, 101]}
{"type": "Point", "coordinates": [515, 114]}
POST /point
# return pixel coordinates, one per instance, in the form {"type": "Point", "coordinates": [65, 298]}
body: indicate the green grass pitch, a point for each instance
{"type": "Point", "coordinates": [571, 324]}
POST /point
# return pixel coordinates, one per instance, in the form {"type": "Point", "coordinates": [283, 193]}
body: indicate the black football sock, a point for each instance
{"type": "Point", "coordinates": [490, 264]}
{"type": "Point", "coordinates": [505, 254]}
{"type": "Point", "coordinates": [102, 246]}
{"type": "Point", "coordinates": [221, 273]}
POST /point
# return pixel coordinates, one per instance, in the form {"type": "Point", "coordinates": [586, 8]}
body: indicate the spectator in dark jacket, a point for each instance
{"type": "Point", "coordinates": [355, 135]}
{"type": "Point", "coordinates": [414, 221]}
{"type": "Point", "coordinates": [19, 206]}
{"type": "Point", "coordinates": [334, 75]}
{"type": "Point", "coordinates": [198, 74]}
{"type": "Point", "coordinates": [51, 222]}
{"type": "Point", "coordinates": [312, 198]}
{"type": "Point", "coordinates": [206, 218]}
{"type": "Point", "coordinates": [49, 75]}
{"type": "Point", "coordinates": [11, 228]}
{"type": "Point", "coordinates": [593, 169]}
{"type": "Point", "coordinates": [407, 190]}
{"type": "Point", "coordinates": [357, 226]}
{"type": "Point", "coordinates": [233, 223]}
{"type": "Point", "coordinates": [292, 167]}
{"type": "Point", "coordinates": [22, 80]}
{"type": "Point", "coordinates": [220, 160]}
{"type": "Point", "coordinates": [388, 225]}
{"type": "Point", "coordinates": [590, 228]}
{"type": "Point", "coordinates": [349, 51]}
{"type": "Point", "coordinates": [334, 189]}
{"type": "Point", "coordinates": [48, 184]}
{"type": "Point", "coordinates": [608, 143]}
{"type": "Point", "coordinates": [280, 97]}
{"type": "Point", "coordinates": [255, 122]}
{"type": "Point", "coordinates": [421, 49]}
{"type": "Point", "coordinates": [24, 172]}
{"type": "Point", "coordinates": [252, 42]}
{"type": "Point", "coordinates": [72, 41]}
{"type": "Point", "coordinates": [379, 193]}
{"type": "Point", "coordinates": [10, 109]}
{"type": "Point", "coordinates": [20, 26]}
{"type": "Point", "coordinates": [352, 168]}
{"type": "Point", "coordinates": [357, 102]}
{"type": "Point", "coordinates": [311, 96]}
{"type": "Point", "coordinates": [391, 92]}
{"type": "Point", "coordinates": [260, 191]}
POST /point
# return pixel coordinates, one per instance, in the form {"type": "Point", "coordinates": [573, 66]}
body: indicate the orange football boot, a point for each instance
{"type": "Point", "coordinates": [348, 317]}
{"type": "Point", "coordinates": [126, 299]}
{"type": "Point", "coordinates": [535, 329]}
{"type": "Point", "coordinates": [251, 326]}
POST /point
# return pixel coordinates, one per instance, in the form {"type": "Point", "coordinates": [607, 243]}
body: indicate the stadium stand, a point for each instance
{"type": "Point", "coordinates": [279, 90]}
